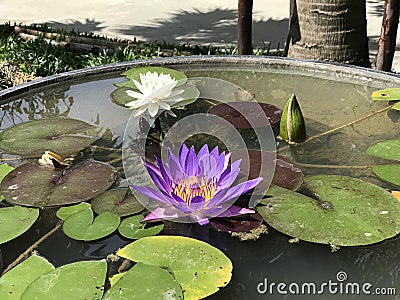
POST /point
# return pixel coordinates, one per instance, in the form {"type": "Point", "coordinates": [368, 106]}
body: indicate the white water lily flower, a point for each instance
{"type": "Point", "coordinates": [156, 90]}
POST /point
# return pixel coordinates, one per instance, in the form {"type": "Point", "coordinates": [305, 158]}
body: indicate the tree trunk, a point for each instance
{"type": "Point", "coordinates": [387, 40]}
{"type": "Point", "coordinates": [245, 19]}
{"type": "Point", "coordinates": [331, 30]}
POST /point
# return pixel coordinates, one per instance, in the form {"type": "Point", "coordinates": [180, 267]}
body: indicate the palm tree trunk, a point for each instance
{"type": "Point", "coordinates": [331, 30]}
{"type": "Point", "coordinates": [245, 20]}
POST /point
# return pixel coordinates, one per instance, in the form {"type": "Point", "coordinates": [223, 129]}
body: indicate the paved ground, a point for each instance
{"type": "Point", "coordinates": [194, 21]}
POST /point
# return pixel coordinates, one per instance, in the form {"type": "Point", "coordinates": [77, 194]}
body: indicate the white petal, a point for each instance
{"type": "Point", "coordinates": [140, 111]}
{"type": "Point", "coordinates": [153, 109]}
{"type": "Point", "coordinates": [134, 94]}
{"type": "Point", "coordinates": [164, 105]}
{"type": "Point", "coordinates": [136, 103]}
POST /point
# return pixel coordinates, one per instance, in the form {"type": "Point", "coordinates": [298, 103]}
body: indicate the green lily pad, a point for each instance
{"type": "Point", "coordinates": [64, 136]}
{"type": "Point", "coordinates": [396, 106]}
{"type": "Point", "coordinates": [390, 173]}
{"type": "Point", "coordinates": [14, 282]}
{"type": "Point", "coordinates": [200, 268]}
{"type": "Point", "coordinates": [350, 212]}
{"type": "Point", "coordinates": [34, 185]}
{"type": "Point", "coordinates": [4, 170]}
{"type": "Point", "coordinates": [80, 280]}
{"type": "Point", "coordinates": [145, 282]}
{"type": "Point", "coordinates": [387, 149]}
{"type": "Point", "coordinates": [66, 211]}
{"type": "Point", "coordinates": [15, 220]}
{"type": "Point", "coordinates": [131, 228]}
{"type": "Point", "coordinates": [81, 226]}
{"type": "Point", "coordinates": [116, 201]}
{"type": "Point", "coordinates": [388, 94]}
{"type": "Point", "coordinates": [134, 73]}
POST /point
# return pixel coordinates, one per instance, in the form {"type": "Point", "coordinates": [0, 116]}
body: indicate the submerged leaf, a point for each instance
{"type": "Point", "coordinates": [15, 220]}
{"type": "Point", "coordinates": [132, 228]}
{"type": "Point", "coordinates": [14, 282]}
{"type": "Point", "coordinates": [80, 280]}
{"type": "Point", "coordinates": [34, 185]}
{"type": "Point", "coordinates": [116, 201]}
{"type": "Point", "coordinates": [81, 226]}
{"type": "Point", "coordinates": [240, 114]}
{"type": "Point", "coordinates": [200, 268]}
{"type": "Point", "coordinates": [145, 282]}
{"type": "Point", "coordinates": [62, 135]}
{"type": "Point", "coordinates": [240, 224]}
{"type": "Point", "coordinates": [350, 212]}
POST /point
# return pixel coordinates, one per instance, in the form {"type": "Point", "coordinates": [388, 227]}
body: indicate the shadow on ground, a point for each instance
{"type": "Point", "coordinates": [218, 26]}
{"type": "Point", "coordinates": [89, 25]}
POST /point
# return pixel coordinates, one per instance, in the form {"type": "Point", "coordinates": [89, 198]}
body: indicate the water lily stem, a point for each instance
{"type": "Point", "coordinates": [331, 166]}
{"type": "Point", "coordinates": [342, 126]}
{"type": "Point", "coordinates": [31, 248]}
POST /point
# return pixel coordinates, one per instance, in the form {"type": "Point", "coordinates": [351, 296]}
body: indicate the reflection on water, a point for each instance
{"type": "Point", "coordinates": [325, 104]}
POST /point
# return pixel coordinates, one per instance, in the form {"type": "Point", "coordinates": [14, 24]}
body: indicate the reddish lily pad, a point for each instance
{"type": "Point", "coordinates": [238, 113]}
{"type": "Point", "coordinates": [116, 201]}
{"type": "Point", "coordinates": [62, 135]}
{"type": "Point", "coordinates": [240, 224]}
{"type": "Point", "coordinates": [35, 185]}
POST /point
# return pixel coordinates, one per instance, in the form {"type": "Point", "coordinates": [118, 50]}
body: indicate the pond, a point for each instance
{"type": "Point", "coordinates": [329, 95]}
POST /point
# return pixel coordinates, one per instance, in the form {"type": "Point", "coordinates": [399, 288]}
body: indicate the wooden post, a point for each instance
{"type": "Point", "coordinates": [387, 40]}
{"type": "Point", "coordinates": [245, 19]}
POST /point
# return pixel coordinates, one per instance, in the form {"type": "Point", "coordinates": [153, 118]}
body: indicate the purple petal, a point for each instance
{"type": "Point", "coordinates": [163, 172]}
{"type": "Point", "coordinates": [174, 167]}
{"type": "Point", "coordinates": [153, 193]}
{"type": "Point", "coordinates": [159, 181]}
{"type": "Point", "coordinates": [161, 213]}
{"type": "Point", "coordinates": [197, 203]}
{"type": "Point", "coordinates": [191, 163]}
{"type": "Point", "coordinates": [229, 175]}
{"type": "Point", "coordinates": [240, 189]}
{"type": "Point", "coordinates": [207, 165]}
{"type": "Point", "coordinates": [200, 219]}
{"type": "Point", "coordinates": [183, 152]}
{"type": "Point", "coordinates": [235, 211]}
{"type": "Point", "coordinates": [214, 153]}
{"type": "Point", "coordinates": [221, 163]}
{"type": "Point", "coordinates": [180, 204]}
{"type": "Point", "coordinates": [203, 151]}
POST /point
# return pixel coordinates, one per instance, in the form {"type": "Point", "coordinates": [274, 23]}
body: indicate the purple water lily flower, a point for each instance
{"type": "Point", "coordinates": [196, 186]}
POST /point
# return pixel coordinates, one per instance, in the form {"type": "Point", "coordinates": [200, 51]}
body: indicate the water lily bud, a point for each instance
{"type": "Point", "coordinates": [292, 127]}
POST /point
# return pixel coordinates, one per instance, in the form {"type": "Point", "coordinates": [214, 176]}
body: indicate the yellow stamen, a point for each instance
{"type": "Point", "coordinates": [189, 187]}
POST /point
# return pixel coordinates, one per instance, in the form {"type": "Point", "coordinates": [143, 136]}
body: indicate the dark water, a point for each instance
{"type": "Point", "coordinates": [272, 259]}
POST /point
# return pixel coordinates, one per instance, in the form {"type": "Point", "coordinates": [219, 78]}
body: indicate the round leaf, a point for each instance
{"type": "Point", "coordinates": [257, 112]}
{"type": "Point", "coordinates": [34, 185]}
{"type": "Point", "coordinates": [390, 173]}
{"type": "Point", "coordinates": [134, 73]}
{"type": "Point", "coordinates": [145, 282]}
{"type": "Point", "coordinates": [388, 149]}
{"type": "Point", "coordinates": [131, 228]}
{"type": "Point", "coordinates": [4, 170]}
{"type": "Point", "coordinates": [116, 201]}
{"type": "Point", "coordinates": [350, 212]}
{"type": "Point", "coordinates": [80, 280]}
{"type": "Point", "coordinates": [64, 212]}
{"type": "Point", "coordinates": [33, 138]}
{"type": "Point", "coordinates": [15, 220]}
{"type": "Point", "coordinates": [200, 268]}
{"type": "Point", "coordinates": [80, 226]}
{"type": "Point", "coordinates": [14, 282]}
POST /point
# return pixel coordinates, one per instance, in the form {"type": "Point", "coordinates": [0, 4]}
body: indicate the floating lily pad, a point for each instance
{"type": "Point", "coordinates": [388, 94]}
{"type": "Point", "coordinates": [116, 201]}
{"type": "Point", "coordinates": [15, 220]}
{"type": "Point", "coordinates": [132, 228]}
{"type": "Point", "coordinates": [4, 170]}
{"type": "Point", "coordinates": [390, 173]}
{"type": "Point", "coordinates": [397, 106]}
{"type": "Point", "coordinates": [34, 185]}
{"type": "Point", "coordinates": [14, 282]}
{"type": "Point", "coordinates": [81, 226]}
{"type": "Point", "coordinates": [350, 212]}
{"type": "Point", "coordinates": [80, 280]}
{"type": "Point", "coordinates": [258, 113]}
{"type": "Point", "coordinates": [240, 224]}
{"type": "Point", "coordinates": [200, 268]}
{"type": "Point", "coordinates": [66, 211]}
{"type": "Point", "coordinates": [134, 73]}
{"type": "Point", "coordinates": [388, 149]}
{"type": "Point", "coordinates": [62, 135]}
{"type": "Point", "coordinates": [145, 282]}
